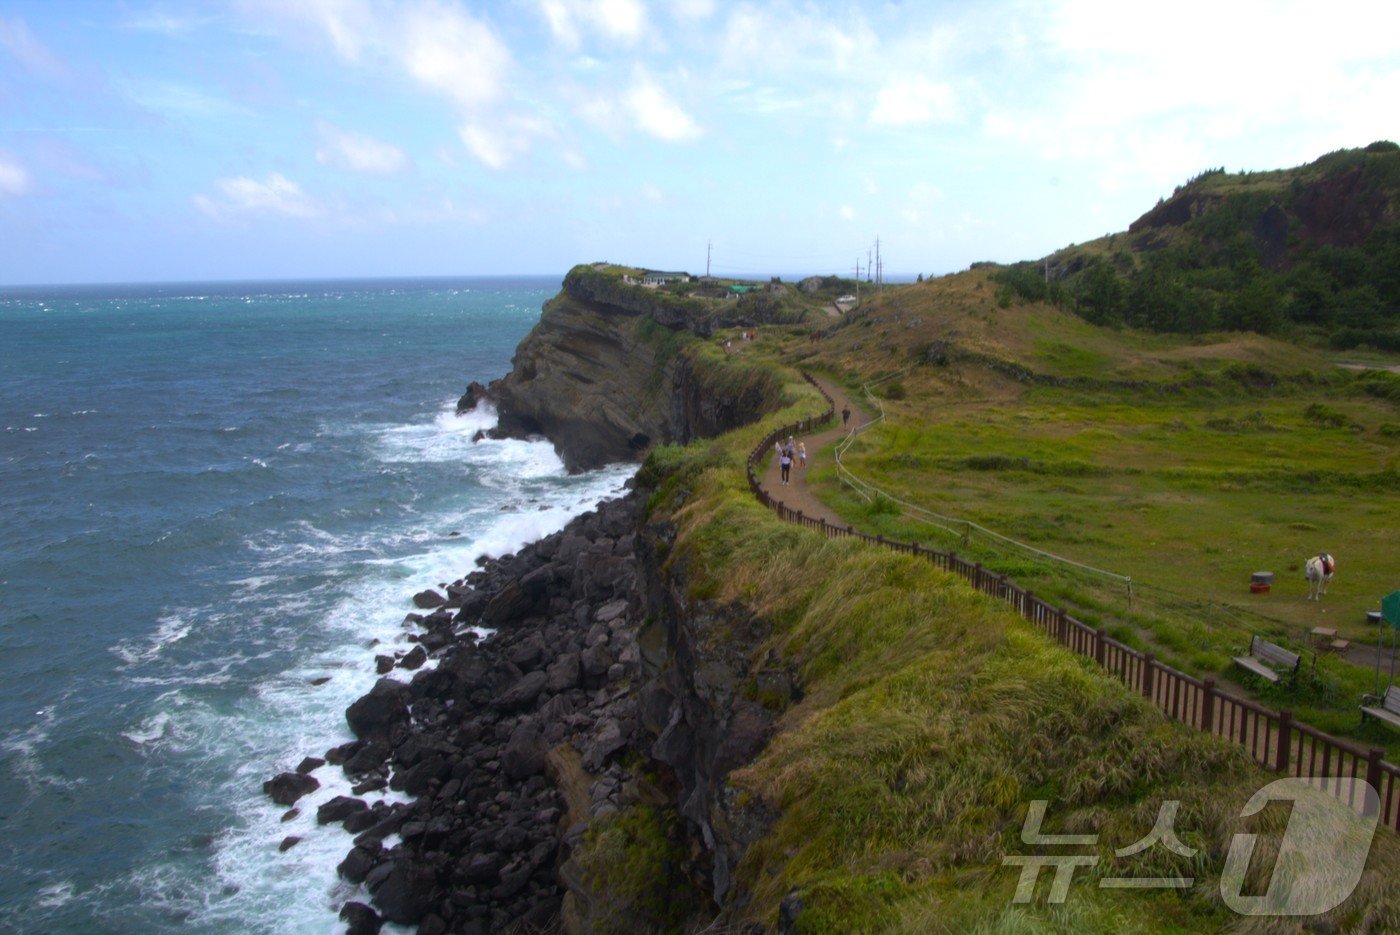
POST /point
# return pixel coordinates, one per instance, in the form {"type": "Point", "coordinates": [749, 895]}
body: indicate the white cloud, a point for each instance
{"type": "Point", "coordinates": [691, 10]}
{"type": "Point", "coordinates": [782, 39]}
{"type": "Point", "coordinates": [451, 52]}
{"type": "Point", "coordinates": [846, 213]}
{"type": "Point", "coordinates": [654, 112]}
{"type": "Point", "coordinates": [439, 44]}
{"type": "Point", "coordinates": [350, 25]}
{"type": "Point", "coordinates": [617, 20]}
{"type": "Point", "coordinates": [14, 180]}
{"type": "Point", "coordinates": [241, 195]}
{"type": "Point", "coordinates": [914, 100]}
{"type": "Point", "coordinates": [357, 152]}
{"type": "Point", "coordinates": [500, 143]}
{"type": "Point", "coordinates": [1111, 83]}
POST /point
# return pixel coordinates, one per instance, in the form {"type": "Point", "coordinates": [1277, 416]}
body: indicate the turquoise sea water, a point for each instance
{"type": "Point", "coordinates": [213, 496]}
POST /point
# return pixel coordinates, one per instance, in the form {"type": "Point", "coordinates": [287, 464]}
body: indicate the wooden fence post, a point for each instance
{"type": "Point", "coordinates": [1285, 739]}
{"type": "Point", "coordinates": [1149, 662]}
{"type": "Point", "coordinates": [1062, 626]}
{"type": "Point", "coordinates": [1373, 771]}
{"type": "Point", "coordinates": [1208, 706]}
{"type": "Point", "coordinates": [1099, 636]}
{"type": "Point", "coordinates": [799, 517]}
{"type": "Point", "coordinates": [1027, 602]}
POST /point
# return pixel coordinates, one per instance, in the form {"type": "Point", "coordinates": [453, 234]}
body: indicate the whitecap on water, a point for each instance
{"type": "Point", "coordinates": [170, 628]}
{"type": "Point", "coordinates": [55, 895]}
{"type": "Point", "coordinates": [151, 729]}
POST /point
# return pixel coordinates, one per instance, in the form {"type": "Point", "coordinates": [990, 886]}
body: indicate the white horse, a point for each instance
{"type": "Point", "coordinates": [1317, 572]}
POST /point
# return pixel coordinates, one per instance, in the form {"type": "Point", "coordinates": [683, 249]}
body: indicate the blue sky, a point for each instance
{"type": "Point", "coordinates": [153, 141]}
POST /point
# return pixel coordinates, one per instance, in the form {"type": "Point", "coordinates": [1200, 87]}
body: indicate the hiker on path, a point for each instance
{"type": "Point", "coordinates": [802, 455]}
{"type": "Point", "coordinates": [845, 415]}
{"type": "Point", "coordinates": [785, 460]}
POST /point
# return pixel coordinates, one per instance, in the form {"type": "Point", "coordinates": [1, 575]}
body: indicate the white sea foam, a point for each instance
{"type": "Point", "coordinates": [170, 628]}
{"type": "Point", "coordinates": [373, 608]}
{"type": "Point", "coordinates": [151, 729]}
{"type": "Point", "coordinates": [360, 586]}
{"type": "Point", "coordinates": [55, 895]}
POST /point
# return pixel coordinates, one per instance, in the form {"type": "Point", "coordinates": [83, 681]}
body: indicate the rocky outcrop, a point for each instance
{"type": "Point", "coordinates": [606, 380]}
{"type": "Point", "coordinates": [472, 737]}
{"type": "Point", "coordinates": [708, 707]}
{"type": "Point", "coordinates": [515, 745]}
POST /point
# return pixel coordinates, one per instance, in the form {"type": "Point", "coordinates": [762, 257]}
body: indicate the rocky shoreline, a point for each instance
{"type": "Point", "coordinates": [507, 743]}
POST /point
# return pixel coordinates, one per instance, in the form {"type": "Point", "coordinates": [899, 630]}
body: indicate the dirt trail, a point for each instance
{"type": "Point", "coordinates": [796, 495]}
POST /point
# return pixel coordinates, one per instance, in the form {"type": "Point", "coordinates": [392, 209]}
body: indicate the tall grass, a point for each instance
{"type": "Point", "coordinates": [930, 718]}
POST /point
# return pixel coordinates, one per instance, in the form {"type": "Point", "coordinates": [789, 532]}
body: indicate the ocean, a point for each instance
{"type": "Point", "coordinates": [215, 497]}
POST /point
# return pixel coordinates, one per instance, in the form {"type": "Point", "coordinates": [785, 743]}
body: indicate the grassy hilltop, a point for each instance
{"type": "Point", "coordinates": [1184, 456]}
{"type": "Point", "coordinates": [1312, 251]}
{"type": "Point", "coordinates": [1183, 461]}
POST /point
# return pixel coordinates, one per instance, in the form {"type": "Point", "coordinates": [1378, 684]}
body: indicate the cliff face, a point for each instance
{"type": "Point", "coordinates": [606, 380]}
{"type": "Point", "coordinates": [1340, 200]}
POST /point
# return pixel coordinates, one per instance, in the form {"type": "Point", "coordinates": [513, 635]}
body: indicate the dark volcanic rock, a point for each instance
{"type": "Point", "coordinates": [523, 756]}
{"type": "Point", "coordinates": [473, 397]}
{"type": "Point", "coordinates": [523, 693]}
{"type": "Point", "coordinates": [414, 659]}
{"type": "Point", "coordinates": [286, 788]}
{"type": "Point", "coordinates": [360, 919]}
{"type": "Point", "coordinates": [384, 706]}
{"type": "Point", "coordinates": [309, 764]}
{"type": "Point", "coordinates": [429, 599]}
{"type": "Point", "coordinates": [339, 808]}
{"type": "Point", "coordinates": [470, 739]}
{"type": "Point", "coordinates": [406, 892]}
{"type": "Point", "coordinates": [359, 862]}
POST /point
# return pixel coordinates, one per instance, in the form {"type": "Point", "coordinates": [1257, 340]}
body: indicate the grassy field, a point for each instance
{"type": "Point", "coordinates": [930, 717]}
{"type": "Point", "coordinates": [1183, 464]}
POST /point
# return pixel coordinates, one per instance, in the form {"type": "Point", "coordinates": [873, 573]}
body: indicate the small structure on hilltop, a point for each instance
{"type": "Point", "coordinates": [655, 278]}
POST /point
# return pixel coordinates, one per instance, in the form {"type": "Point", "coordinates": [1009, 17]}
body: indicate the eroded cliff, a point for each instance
{"type": "Point", "coordinates": [606, 379]}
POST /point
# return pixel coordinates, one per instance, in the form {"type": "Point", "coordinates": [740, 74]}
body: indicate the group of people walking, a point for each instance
{"type": "Point", "coordinates": [787, 454]}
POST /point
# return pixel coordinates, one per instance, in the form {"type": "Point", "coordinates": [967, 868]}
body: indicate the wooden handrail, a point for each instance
{"type": "Point", "coordinates": [1203, 701]}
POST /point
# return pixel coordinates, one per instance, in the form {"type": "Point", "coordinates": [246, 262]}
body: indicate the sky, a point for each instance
{"type": "Point", "coordinates": [283, 139]}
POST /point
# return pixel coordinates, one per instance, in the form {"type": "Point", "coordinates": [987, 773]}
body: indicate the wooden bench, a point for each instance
{"type": "Point", "coordinates": [1265, 659]}
{"type": "Point", "coordinates": [1383, 707]}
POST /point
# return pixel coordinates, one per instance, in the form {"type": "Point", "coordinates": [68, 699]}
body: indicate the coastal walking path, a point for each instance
{"type": "Point", "coordinates": [1271, 738]}
{"type": "Point", "coordinates": [796, 495]}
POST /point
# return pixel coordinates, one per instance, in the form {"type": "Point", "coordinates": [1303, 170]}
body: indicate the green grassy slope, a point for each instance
{"type": "Point", "coordinates": [931, 718]}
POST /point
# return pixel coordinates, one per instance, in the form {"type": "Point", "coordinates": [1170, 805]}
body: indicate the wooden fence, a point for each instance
{"type": "Point", "coordinates": [1273, 738]}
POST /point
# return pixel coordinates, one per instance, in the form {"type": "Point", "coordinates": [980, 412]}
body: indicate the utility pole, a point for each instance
{"type": "Point", "coordinates": [857, 280]}
{"type": "Point", "coordinates": [879, 270]}
{"type": "Point", "coordinates": [708, 244]}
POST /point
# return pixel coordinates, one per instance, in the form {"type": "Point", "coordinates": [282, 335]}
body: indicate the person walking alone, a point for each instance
{"type": "Point", "coordinates": [802, 455]}
{"type": "Point", "coordinates": [785, 461]}
{"type": "Point", "coordinates": [845, 415]}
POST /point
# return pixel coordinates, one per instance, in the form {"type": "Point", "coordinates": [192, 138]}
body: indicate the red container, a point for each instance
{"type": "Point", "coordinates": [1258, 587]}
